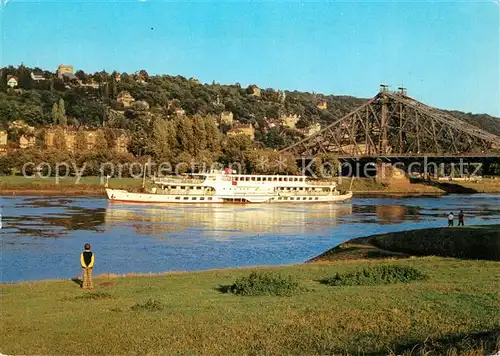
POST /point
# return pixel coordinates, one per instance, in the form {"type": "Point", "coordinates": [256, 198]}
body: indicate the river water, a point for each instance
{"type": "Point", "coordinates": [42, 237]}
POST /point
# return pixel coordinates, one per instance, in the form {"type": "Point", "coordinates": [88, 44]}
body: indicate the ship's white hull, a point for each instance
{"type": "Point", "coordinates": [118, 195]}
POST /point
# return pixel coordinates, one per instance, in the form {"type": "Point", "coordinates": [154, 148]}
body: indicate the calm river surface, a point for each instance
{"type": "Point", "coordinates": [42, 237]}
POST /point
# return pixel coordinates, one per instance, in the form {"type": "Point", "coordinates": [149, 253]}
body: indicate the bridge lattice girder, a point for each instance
{"type": "Point", "coordinates": [395, 124]}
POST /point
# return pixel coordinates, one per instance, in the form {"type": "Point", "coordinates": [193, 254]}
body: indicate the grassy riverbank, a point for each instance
{"type": "Point", "coordinates": [455, 309]}
{"type": "Point", "coordinates": [472, 242]}
{"type": "Point", "coordinates": [18, 185]}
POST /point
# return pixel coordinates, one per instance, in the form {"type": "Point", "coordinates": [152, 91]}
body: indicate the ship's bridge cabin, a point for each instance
{"type": "Point", "coordinates": [270, 180]}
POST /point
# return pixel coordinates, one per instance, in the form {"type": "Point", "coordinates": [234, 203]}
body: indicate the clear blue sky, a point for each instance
{"type": "Point", "coordinates": [446, 53]}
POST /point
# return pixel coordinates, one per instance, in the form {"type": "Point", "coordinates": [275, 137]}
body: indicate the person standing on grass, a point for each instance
{"type": "Point", "coordinates": [87, 260]}
{"type": "Point", "coordinates": [450, 219]}
{"type": "Point", "coordinates": [461, 218]}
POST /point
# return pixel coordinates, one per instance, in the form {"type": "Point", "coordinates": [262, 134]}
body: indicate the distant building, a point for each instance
{"type": "Point", "coordinates": [290, 120]}
{"type": "Point", "coordinates": [311, 130]}
{"type": "Point", "coordinates": [118, 77]}
{"type": "Point", "coordinates": [70, 138]}
{"type": "Point", "coordinates": [322, 105]}
{"type": "Point", "coordinates": [21, 125]}
{"type": "Point", "coordinates": [37, 77]}
{"type": "Point", "coordinates": [27, 141]}
{"type": "Point", "coordinates": [242, 129]}
{"type": "Point", "coordinates": [48, 138]}
{"type": "Point", "coordinates": [62, 69]}
{"type": "Point", "coordinates": [3, 142]}
{"type": "Point", "coordinates": [12, 81]}
{"type": "Point", "coordinates": [121, 143]}
{"type": "Point", "coordinates": [253, 90]}
{"type": "Point", "coordinates": [125, 99]}
{"type": "Point", "coordinates": [180, 112]}
{"type": "Point", "coordinates": [70, 77]}
{"type": "Point", "coordinates": [141, 105]}
{"type": "Point", "coordinates": [226, 118]}
{"type": "Point", "coordinates": [3, 138]}
{"type": "Point", "coordinates": [282, 96]}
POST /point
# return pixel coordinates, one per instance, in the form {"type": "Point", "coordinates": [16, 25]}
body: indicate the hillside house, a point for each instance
{"type": "Point", "coordinates": [12, 81]}
{"type": "Point", "coordinates": [141, 105]}
{"type": "Point", "coordinates": [311, 130]}
{"type": "Point", "coordinates": [125, 99]}
{"type": "Point", "coordinates": [21, 125]}
{"type": "Point", "coordinates": [3, 142]}
{"type": "Point", "coordinates": [121, 143]}
{"type": "Point", "coordinates": [68, 135]}
{"type": "Point", "coordinates": [290, 120]}
{"type": "Point", "coordinates": [71, 79]}
{"type": "Point", "coordinates": [64, 69]}
{"type": "Point", "coordinates": [37, 77]}
{"type": "Point", "coordinates": [253, 90]}
{"type": "Point", "coordinates": [242, 129]}
{"type": "Point", "coordinates": [226, 118]}
{"type": "Point", "coordinates": [180, 112]}
{"type": "Point", "coordinates": [322, 105]}
{"type": "Point", "coordinates": [117, 77]}
{"type": "Point", "coordinates": [27, 141]}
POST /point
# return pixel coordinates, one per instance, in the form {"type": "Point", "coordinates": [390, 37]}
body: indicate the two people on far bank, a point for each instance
{"type": "Point", "coordinates": [87, 260]}
{"type": "Point", "coordinates": [461, 218]}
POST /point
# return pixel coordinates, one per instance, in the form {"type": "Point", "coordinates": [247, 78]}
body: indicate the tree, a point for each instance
{"type": "Point", "coordinates": [213, 135]}
{"type": "Point", "coordinates": [101, 144]}
{"type": "Point", "coordinates": [199, 135]}
{"type": "Point", "coordinates": [164, 142]}
{"type": "Point", "coordinates": [80, 74]}
{"type": "Point", "coordinates": [185, 136]}
{"type": "Point", "coordinates": [81, 143]}
{"type": "Point", "coordinates": [24, 79]}
{"type": "Point", "coordinates": [113, 85]}
{"type": "Point", "coordinates": [61, 113]}
{"type": "Point", "coordinates": [235, 149]}
{"type": "Point", "coordinates": [60, 140]}
{"type": "Point", "coordinates": [55, 114]}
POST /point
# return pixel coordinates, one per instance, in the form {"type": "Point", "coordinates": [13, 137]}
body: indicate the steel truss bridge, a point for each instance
{"type": "Point", "coordinates": [393, 125]}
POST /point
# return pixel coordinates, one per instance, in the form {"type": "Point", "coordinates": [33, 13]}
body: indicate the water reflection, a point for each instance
{"type": "Point", "coordinates": [224, 221]}
{"type": "Point", "coordinates": [51, 217]}
{"type": "Point", "coordinates": [396, 214]}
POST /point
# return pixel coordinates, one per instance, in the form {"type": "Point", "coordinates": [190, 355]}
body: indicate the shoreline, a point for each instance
{"type": "Point", "coordinates": [101, 193]}
{"type": "Point", "coordinates": [481, 242]}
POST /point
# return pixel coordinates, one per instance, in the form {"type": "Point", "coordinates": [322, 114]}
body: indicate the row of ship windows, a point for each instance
{"type": "Point", "coordinates": [193, 198]}
{"type": "Point", "coordinates": [269, 179]}
{"type": "Point", "coordinates": [298, 198]}
{"type": "Point", "coordinates": [302, 188]}
{"type": "Point", "coordinates": [186, 187]}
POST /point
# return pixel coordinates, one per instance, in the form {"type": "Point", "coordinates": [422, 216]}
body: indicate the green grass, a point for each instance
{"type": "Point", "coordinates": [149, 305]}
{"type": "Point", "coordinates": [376, 275]}
{"type": "Point", "coordinates": [458, 299]}
{"type": "Point", "coordinates": [67, 185]}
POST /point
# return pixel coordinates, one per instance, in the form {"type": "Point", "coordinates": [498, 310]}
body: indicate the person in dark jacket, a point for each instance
{"type": "Point", "coordinates": [461, 218]}
{"type": "Point", "coordinates": [87, 260]}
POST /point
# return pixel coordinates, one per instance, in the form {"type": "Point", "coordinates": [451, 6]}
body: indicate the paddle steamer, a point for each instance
{"type": "Point", "coordinates": [226, 187]}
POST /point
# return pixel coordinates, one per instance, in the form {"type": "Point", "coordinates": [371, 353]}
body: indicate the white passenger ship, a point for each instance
{"type": "Point", "coordinates": [226, 187]}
